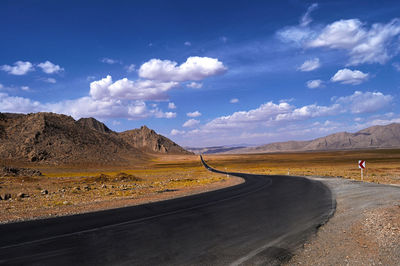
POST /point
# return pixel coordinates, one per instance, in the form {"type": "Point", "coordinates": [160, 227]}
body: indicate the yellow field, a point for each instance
{"type": "Point", "coordinates": [74, 190]}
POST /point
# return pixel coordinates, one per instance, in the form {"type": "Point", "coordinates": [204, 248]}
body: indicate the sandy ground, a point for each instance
{"type": "Point", "coordinates": [365, 230]}
{"type": "Point", "coordinates": [68, 196]}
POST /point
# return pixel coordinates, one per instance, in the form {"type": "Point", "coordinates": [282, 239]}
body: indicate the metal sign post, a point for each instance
{"type": "Point", "coordinates": [361, 165]}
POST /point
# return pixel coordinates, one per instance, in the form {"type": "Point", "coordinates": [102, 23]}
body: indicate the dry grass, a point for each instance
{"type": "Point", "coordinates": [383, 166]}
{"type": "Point", "coordinates": [78, 189]}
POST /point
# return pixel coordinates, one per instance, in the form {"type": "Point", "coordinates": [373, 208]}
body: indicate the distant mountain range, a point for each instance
{"type": "Point", "coordinates": [373, 137]}
{"type": "Point", "coordinates": [59, 139]}
{"type": "Point", "coordinates": [214, 149]}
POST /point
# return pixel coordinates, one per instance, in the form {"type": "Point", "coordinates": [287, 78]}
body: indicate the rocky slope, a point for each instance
{"type": "Point", "coordinates": [373, 137]}
{"type": "Point", "coordinates": [59, 139]}
{"type": "Point", "coordinates": [149, 141]}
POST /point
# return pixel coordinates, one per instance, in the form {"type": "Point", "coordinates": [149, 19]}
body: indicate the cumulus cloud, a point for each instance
{"type": "Point", "coordinates": [50, 68]}
{"type": "Point", "coordinates": [110, 61]}
{"type": "Point", "coordinates": [191, 123]}
{"type": "Point", "coordinates": [313, 84]}
{"type": "Point", "coordinates": [194, 114]}
{"type": "Point", "coordinates": [271, 113]}
{"type": "Point", "coordinates": [175, 132]}
{"type": "Point", "coordinates": [347, 76]}
{"type": "Point", "coordinates": [25, 88]}
{"type": "Point", "coordinates": [122, 98]}
{"type": "Point", "coordinates": [194, 85]}
{"type": "Point", "coordinates": [195, 68]}
{"type": "Point", "coordinates": [234, 100]}
{"type": "Point", "coordinates": [130, 68]}
{"type": "Point", "coordinates": [171, 105]}
{"type": "Point", "coordinates": [106, 100]}
{"type": "Point", "coordinates": [306, 19]}
{"type": "Point", "coordinates": [14, 104]}
{"type": "Point", "coordinates": [310, 65]}
{"type": "Point", "coordinates": [19, 68]}
{"type": "Point", "coordinates": [128, 89]}
{"type": "Point", "coordinates": [365, 102]}
{"type": "Point", "coordinates": [364, 45]}
{"type": "Point", "coordinates": [376, 43]}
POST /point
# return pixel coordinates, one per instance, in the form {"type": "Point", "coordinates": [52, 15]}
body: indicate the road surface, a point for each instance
{"type": "Point", "coordinates": [260, 221]}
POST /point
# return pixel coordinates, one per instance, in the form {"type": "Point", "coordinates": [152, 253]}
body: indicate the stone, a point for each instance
{"type": "Point", "coordinates": [22, 195]}
{"type": "Point", "coordinates": [6, 196]}
{"type": "Point", "coordinates": [44, 192]}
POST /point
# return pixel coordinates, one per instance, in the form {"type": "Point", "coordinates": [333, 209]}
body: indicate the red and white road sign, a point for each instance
{"type": "Point", "coordinates": [361, 164]}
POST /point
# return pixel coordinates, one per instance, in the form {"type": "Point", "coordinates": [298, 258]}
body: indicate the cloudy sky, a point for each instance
{"type": "Point", "coordinates": [205, 72]}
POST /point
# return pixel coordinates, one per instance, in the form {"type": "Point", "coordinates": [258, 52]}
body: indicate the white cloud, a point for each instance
{"type": "Point", "coordinates": [1, 86]}
{"type": "Point", "coordinates": [396, 66]}
{"type": "Point", "coordinates": [347, 76]}
{"type": "Point", "coordinates": [313, 84]}
{"type": "Point", "coordinates": [234, 100]}
{"type": "Point", "coordinates": [269, 114]}
{"type": "Point", "coordinates": [50, 68]}
{"type": "Point", "coordinates": [49, 80]}
{"type": "Point", "coordinates": [188, 43]}
{"type": "Point", "coordinates": [19, 68]}
{"type": "Point", "coordinates": [306, 19]}
{"type": "Point", "coordinates": [171, 105]}
{"type": "Point", "coordinates": [296, 34]}
{"type": "Point", "coordinates": [175, 132]}
{"type": "Point", "coordinates": [366, 102]}
{"type": "Point", "coordinates": [160, 114]}
{"type": "Point", "coordinates": [128, 89]}
{"type": "Point", "coordinates": [195, 68]}
{"type": "Point", "coordinates": [310, 65]}
{"type": "Point", "coordinates": [25, 88]}
{"type": "Point", "coordinates": [110, 61]}
{"type": "Point", "coordinates": [264, 113]}
{"type": "Point", "coordinates": [130, 68]}
{"type": "Point", "coordinates": [373, 45]}
{"type": "Point", "coordinates": [194, 114]}
{"type": "Point", "coordinates": [14, 104]}
{"type": "Point", "coordinates": [194, 85]}
{"type": "Point", "coordinates": [191, 123]}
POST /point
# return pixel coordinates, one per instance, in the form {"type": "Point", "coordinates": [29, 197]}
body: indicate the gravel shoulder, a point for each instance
{"type": "Point", "coordinates": [365, 229]}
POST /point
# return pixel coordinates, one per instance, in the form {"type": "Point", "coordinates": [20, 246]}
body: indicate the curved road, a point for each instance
{"type": "Point", "coordinates": [260, 221]}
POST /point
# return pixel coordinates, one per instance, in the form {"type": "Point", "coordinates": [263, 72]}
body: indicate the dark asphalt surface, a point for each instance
{"type": "Point", "coordinates": [260, 221]}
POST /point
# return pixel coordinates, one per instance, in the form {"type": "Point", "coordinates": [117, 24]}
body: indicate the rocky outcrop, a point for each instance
{"type": "Point", "coordinates": [59, 139]}
{"type": "Point", "coordinates": [148, 140]}
{"type": "Point", "coordinates": [91, 123]}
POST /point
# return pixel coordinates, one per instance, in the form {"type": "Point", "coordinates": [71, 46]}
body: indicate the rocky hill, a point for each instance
{"type": "Point", "coordinates": [148, 140]}
{"type": "Point", "coordinates": [373, 137]}
{"type": "Point", "coordinates": [59, 139]}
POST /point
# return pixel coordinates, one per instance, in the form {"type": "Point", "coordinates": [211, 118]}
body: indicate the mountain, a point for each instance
{"type": "Point", "coordinates": [214, 149]}
{"type": "Point", "coordinates": [91, 123]}
{"type": "Point", "coordinates": [373, 137]}
{"type": "Point", "coordinates": [148, 140]}
{"type": "Point", "coordinates": [59, 139]}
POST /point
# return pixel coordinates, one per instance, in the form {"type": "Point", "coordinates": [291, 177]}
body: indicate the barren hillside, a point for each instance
{"type": "Point", "coordinates": [59, 139]}
{"type": "Point", "coordinates": [373, 137]}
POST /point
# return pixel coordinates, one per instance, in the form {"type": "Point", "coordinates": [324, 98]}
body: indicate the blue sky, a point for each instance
{"type": "Point", "coordinates": [205, 72]}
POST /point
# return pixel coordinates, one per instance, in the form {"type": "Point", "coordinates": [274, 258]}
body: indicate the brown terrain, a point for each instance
{"type": "Point", "coordinates": [370, 138]}
{"type": "Point", "coordinates": [49, 138]}
{"type": "Point", "coordinates": [52, 165]}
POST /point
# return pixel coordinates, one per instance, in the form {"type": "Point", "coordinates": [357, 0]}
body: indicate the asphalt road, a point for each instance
{"type": "Point", "coordinates": [260, 221]}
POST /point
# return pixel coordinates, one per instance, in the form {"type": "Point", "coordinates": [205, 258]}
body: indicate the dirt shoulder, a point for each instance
{"type": "Point", "coordinates": [365, 230]}
{"type": "Point", "coordinates": [44, 196]}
